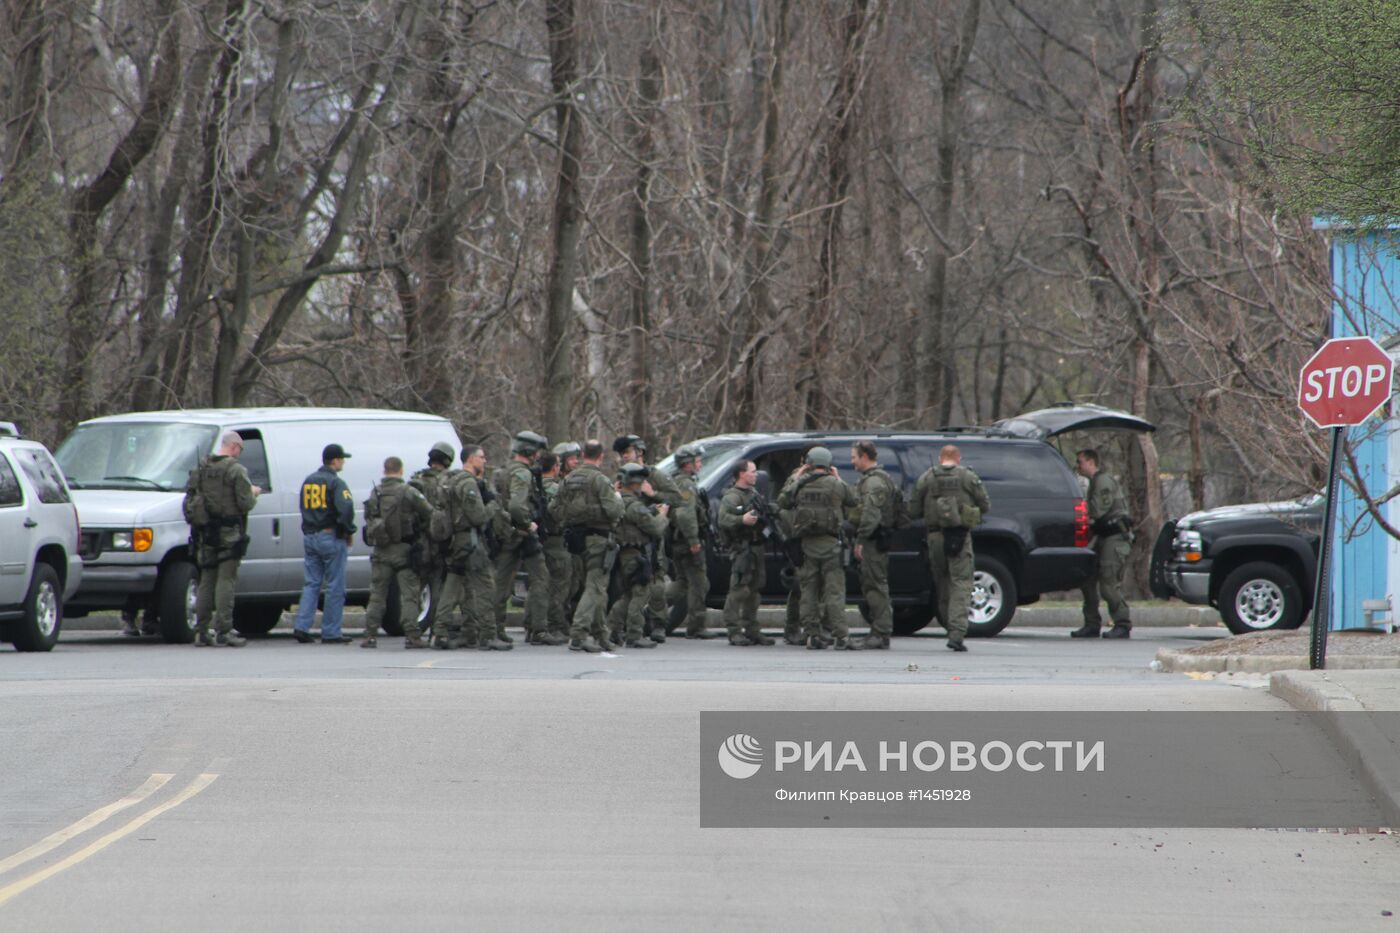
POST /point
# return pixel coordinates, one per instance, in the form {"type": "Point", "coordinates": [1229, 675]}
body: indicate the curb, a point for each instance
{"type": "Point", "coordinates": [1179, 662]}
{"type": "Point", "coordinates": [1363, 746]}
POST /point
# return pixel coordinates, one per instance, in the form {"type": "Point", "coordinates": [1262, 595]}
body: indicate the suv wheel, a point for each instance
{"type": "Point", "coordinates": [1258, 597]}
{"type": "Point", "coordinates": [43, 612]}
{"type": "Point", "coordinates": [257, 618]}
{"type": "Point", "coordinates": [175, 600]}
{"type": "Point", "coordinates": [993, 598]}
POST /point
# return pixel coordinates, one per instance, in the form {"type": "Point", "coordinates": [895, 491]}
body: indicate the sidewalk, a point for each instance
{"type": "Point", "coordinates": [1363, 721]}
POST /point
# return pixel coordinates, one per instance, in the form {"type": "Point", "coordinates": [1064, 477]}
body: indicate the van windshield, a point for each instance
{"type": "Point", "coordinates": [133, 455]}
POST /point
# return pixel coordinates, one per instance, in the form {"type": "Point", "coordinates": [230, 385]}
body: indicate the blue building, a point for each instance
{"type": "Point", "coordinates": [1366, 558]}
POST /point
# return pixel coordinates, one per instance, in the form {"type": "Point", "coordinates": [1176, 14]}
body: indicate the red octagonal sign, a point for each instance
{"type": "Point", "coordinates": [1344, 382]}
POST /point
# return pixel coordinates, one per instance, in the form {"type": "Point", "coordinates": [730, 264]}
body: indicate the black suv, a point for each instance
{"type": "Point", "coordinates": [1033, 541]}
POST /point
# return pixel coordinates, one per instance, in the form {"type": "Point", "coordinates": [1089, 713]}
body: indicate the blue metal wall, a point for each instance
{"type": "Point", "coordinates": [1366, 283]}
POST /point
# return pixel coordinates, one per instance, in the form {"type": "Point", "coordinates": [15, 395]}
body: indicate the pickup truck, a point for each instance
{"type": "Point", "coordinates": [1256, 563]}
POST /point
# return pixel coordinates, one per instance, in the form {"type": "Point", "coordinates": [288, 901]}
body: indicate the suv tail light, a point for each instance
{"type": "Point", "coordinates": [1081, 523]}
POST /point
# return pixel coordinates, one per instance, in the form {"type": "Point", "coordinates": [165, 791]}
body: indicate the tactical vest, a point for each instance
{"type": "Point", "coordinates": [433, 485]}
{"type": "Point", "coordinates": [818, 506]}
{"type": "Point", "coordinates": [463, 501]}
{"type": "Point", "coordinates": [740, 534]}
{"type": "Point", "coordinates": [629, 532]}
{"type": "Point", "coordinates": [388, 518]}
{"type": "Point", "coordinates": [579, 502]}
{"type": "Point", "coordinates": [952, 505]}
{"type": "Point", "coordinates": [209, 495]}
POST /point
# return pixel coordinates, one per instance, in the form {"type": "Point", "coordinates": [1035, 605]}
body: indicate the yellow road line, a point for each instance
{"type": "Point", "coordinates": [153, 783]}
{"type": "Point", "coordinates": [29, 881]}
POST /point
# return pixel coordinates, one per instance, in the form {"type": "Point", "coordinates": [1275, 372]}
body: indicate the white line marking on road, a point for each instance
{"type": "Point", "coordinates": [153, 783]}
{"type": "Point", "coordinates": [29, 881]}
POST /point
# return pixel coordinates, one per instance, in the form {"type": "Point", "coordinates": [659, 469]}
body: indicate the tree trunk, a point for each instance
{"type": "Point", "coordinates": [558, 360]}
{"type": "Point", "coordinates": [26, 104]}
{"type": "Point", "coordinates": [644, 151]}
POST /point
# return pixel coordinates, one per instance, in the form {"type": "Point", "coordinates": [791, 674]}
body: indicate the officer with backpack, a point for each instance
{"type": "Point", "coordinates": [522, 504]}
{"type": "Point", "coordinates": [952, 500]}
{"type": "Point", "coordinates": [589, 508]}
{"type": "Point", "coordinates": [470, 584]}
{"type": "Point", "coordinates": [882, 510]}
{"type": "Point", "coordinates": [819, 499]}
{"type": "Point", "coordinates": [429, 481]}
{"type": "Point", "coordinates": [397, 517]}
{"type": "Point", "coordinates": [327, 530]}
{"type": "Point", "coordinates": [690, 522]}
{"type": "Point", "coordinates": [218, 498]}
{"type": "Point", "coordinates": [639, 532]}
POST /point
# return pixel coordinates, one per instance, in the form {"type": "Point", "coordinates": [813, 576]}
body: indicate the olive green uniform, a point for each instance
{"type": "Point", "coordinates": [590, 508]}
{"type": "Point", "coordinates": [219, 544]}
{"type": "Point", "coordinates": [470, 584]}
{"type": "Point", "coordinates": [688, 518]}
{"type": "Point", "coordinates": [397, 561]}
{"type": "Point", "coordinates": [874, 526]}
{"type": "Point", "coordinates": [639, 527]}
{"type": "Point", "coordinates": [952, 573]}
{"type": "Point", "coordinates": [819, 501]}
{"type": "Point", "coordinates": [559, 562]}
{"type": "Point", "coordinates": [429, 481]}
{"type": "Point", "coordinates": [1108, 517]}
{"type": "Point", "coordinates": [520, 502]}
{"type": "Point", "coordinates": [666, 491]}
{"type": "Point", "coordinates": [747, 565]}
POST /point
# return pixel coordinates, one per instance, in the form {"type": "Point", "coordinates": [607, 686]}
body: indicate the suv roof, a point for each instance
{"type": "Point", "coordinates": [266, 415]}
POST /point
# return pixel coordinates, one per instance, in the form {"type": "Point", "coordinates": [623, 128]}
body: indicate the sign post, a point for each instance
{"type": "Point", "coordinates": [1341, 385]}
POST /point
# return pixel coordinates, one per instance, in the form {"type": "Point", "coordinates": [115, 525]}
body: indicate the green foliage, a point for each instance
{"type": "Point", "coordinates": [33, 243]}
{"type": "Point", "coordinates": [1331, 70]}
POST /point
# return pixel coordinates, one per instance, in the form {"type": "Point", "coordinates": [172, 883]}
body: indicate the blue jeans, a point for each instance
{"type": "Point", "coordinates": [325, 563]}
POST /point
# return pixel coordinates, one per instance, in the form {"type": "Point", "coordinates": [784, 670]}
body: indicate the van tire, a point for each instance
{"type": "Point", "coordinates": [175, 602]}
{"type": "Point", "coordinates": [257, 618]}
{"type": "Point", "coordinates": [43, 612]}
{"type": "Point", "coordinates": [391, 623]}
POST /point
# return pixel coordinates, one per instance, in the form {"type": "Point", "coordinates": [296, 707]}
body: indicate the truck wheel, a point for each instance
{"type": "Point", "coordinates": [43, 612]}
{"type": "Point", "coordinates": [909, 619]}
{"type": "Point", "coordinates": [175, 603]}
{"type": "Point", "coordinates": [1260, 596]}
{"type": "Point", "coordinates": [391, 623]}
{"type": "Point", "coordinates": [993, 598]}
{"type": "Point", "coordinates": [257, 618]}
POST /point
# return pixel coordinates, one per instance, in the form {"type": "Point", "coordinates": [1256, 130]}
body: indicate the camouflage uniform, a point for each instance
{"type": "Point", "coordinates": [430, 481]}
{"type": "Point", "coordinates": [819, 501]}
{"type": "Point", "coordinates": [520, 503]}
{"type": "Point", "coordinates": [952, 573]}
{"type": "Point", "coordinates": [747, 566]}
{"type": "Point", "coordinates": [589, 508]}
{"type": "Point", "coordinates": [396, 561]}
{"type": "Point", "coordinates": [668, 493]}
{"type": "Point", "coordinates": [639, 531]}
{"type": "Point", "coordinates": [877, 494]}
{"type": "Point", "coordinates": [218, 545]}
{"type": "Point", "coordinates": [689, 517]}
{"type": "Point", "coordinates": [1108, 513]}
{"type": "Point", "coordinates": [558, 560]}
{"type": "Point", "coordinates": [470, 584]}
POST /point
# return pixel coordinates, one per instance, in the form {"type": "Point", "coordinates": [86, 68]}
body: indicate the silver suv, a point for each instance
{"type": "Point", "coordinates": [40, 565]}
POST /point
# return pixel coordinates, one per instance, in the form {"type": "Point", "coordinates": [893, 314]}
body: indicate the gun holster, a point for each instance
{"type": "Point", "coordinates": [953, 541]}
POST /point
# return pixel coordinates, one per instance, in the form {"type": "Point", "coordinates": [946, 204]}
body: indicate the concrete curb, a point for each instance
{"type": "Point", "coordinates": [1363, 746]}
{"type": "Point", "coordinates": [1179, 662]}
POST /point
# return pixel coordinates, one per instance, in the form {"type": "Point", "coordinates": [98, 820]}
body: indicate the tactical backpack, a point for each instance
{"type": "Point", "coordinates": [899, 507]}
{"type": "Point", "coordinates": [385, 519]}
{"type": "Point", "coordinates": [948, 510]}
{"type": "Point", "coordinates": [433, 485]}
{"type": "Point", "coordinates": [815, 514]}
{"type": "Point", "coordinates": [577, 503]}
{"type": "Point", "coordinates": [196, 506]}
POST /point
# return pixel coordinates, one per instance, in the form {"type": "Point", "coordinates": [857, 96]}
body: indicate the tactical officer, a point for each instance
{"type": "Point", "coordinates": [571, 581]}
{"type": "Point", "coordinates": [742, 526]}
{"type": "Point", "coordinates": [396, 521]}
{"type": "Point", "coordinates": [690, 523]}
{"type": "Point", "coordinates": [880, 502]}
{"type": "Point", "coordinates": [470, 585]}
{"type": "Point", "coordinates": [952, 500]}
{"type": "Point", "coordinates": [819, 499]}
{"type": "Point", "coordinates": [590, 508]}
{"type": "Point", "coordinates": [1113, 538]}
{"type": "Point", "coordinates": [556, 555]}
{"type": "Point", "coordinates": [218, 498]}
{"type": "Point", "coordinates": [639, 532]}
{"type": "Point", "coordinates": [429, 481]}
{"type": "Point", "coordinates": [522, 504]}
{"type": "Point", "coordinates": [659, 488]}
{"type": "Point", "coordinates": [327, 530]}
{"type": "Point", "coordinates": [568, 453]}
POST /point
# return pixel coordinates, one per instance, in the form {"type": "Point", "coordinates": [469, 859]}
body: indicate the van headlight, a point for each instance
{"type": "Point", "coordinates": [137, 539]}
{"type": "Point", "coordinates": [1187, 546]}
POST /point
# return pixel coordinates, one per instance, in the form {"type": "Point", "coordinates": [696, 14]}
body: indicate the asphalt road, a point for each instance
{"type": "Point", "coordinates": [319, 787]}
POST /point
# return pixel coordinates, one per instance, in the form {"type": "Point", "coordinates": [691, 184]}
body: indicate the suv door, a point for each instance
{"type": "Point", "coordinates": [14, 558]}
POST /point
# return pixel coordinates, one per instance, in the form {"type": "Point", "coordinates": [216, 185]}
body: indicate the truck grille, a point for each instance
{"type": "Point", "coordinates": [91, 545]}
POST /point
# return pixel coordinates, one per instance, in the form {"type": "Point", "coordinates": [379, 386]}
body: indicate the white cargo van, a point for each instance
{"type": "Point", "coordinates": [128, 472]}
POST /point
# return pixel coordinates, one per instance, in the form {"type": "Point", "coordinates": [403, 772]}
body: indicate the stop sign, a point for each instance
{"type": "Point", "coordinates": [1344, 382]}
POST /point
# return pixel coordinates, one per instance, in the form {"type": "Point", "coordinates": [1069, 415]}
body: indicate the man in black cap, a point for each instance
{"type": "Point", "coordinates": [327, 528]}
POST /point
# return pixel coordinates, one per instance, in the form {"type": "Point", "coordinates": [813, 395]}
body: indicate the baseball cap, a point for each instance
{"type": "Point", "coordinates": [333, 452]}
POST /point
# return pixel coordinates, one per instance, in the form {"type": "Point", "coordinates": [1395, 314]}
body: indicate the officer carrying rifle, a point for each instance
{"type": "Point", "coordinates": [744, 524]}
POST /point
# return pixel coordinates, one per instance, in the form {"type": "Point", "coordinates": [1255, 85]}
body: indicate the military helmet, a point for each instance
{"type": "Point", "coordinates": [629, 440]}
{"type": "Point", "coordinates": [567, 449]}
{"type": "Point", "coordinates": [819, 457]}
{"type": "Point", "coordinates": [687, 453]}
{"type": "Point", "coordinates": [528, 443]}
{"type": "Point", "coordinates": [632, 473]}
{"type": "Point", "coordinates": [442, 452]}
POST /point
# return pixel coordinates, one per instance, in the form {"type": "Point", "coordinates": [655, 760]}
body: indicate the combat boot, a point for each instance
{"type": "Point", "coordinates": [658, 635]}
{"type": "Point", "coordinates": [762, 639]}
{"type": "Point", "coordinates": [370, 643]}
{"type": "Point", "coordinates": [1119, 630]}
{"type": "Point", "coordinates": [704, 634]}
{"type": "Point", "coordinates": [740, 641]}
{"type": "Point", "coordinates": [640, 643]}
{"type": "Point", "coordinates": [1085, 631]}
{"type": "Point", "coordinates": [230, 640]}
{"type": "Point", "coordinates": [413, 641]}
{"type": "Point", "coordinates": [956, 646]}
{"type": "Point", "coordinates": [550, 639]}
{"type": "Point", "coordinates": [816, 642]}
{"type": "Point", "coordinates": [586, 644]}
{"type": "Point", "coordinates": [872, 642]}
{"type": "Point", "coordinates": [796, 639]}
{"type": "Point", "coordinates": [441, 644]}
{"type": "Point", "coordinates": [494, 644]}
{"type": "Point", "coordinates": [203, 640]}
{"type": "Point", "coordinates": [844, 644]}
{"type": "Point", "coordinates": [502, 636]}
